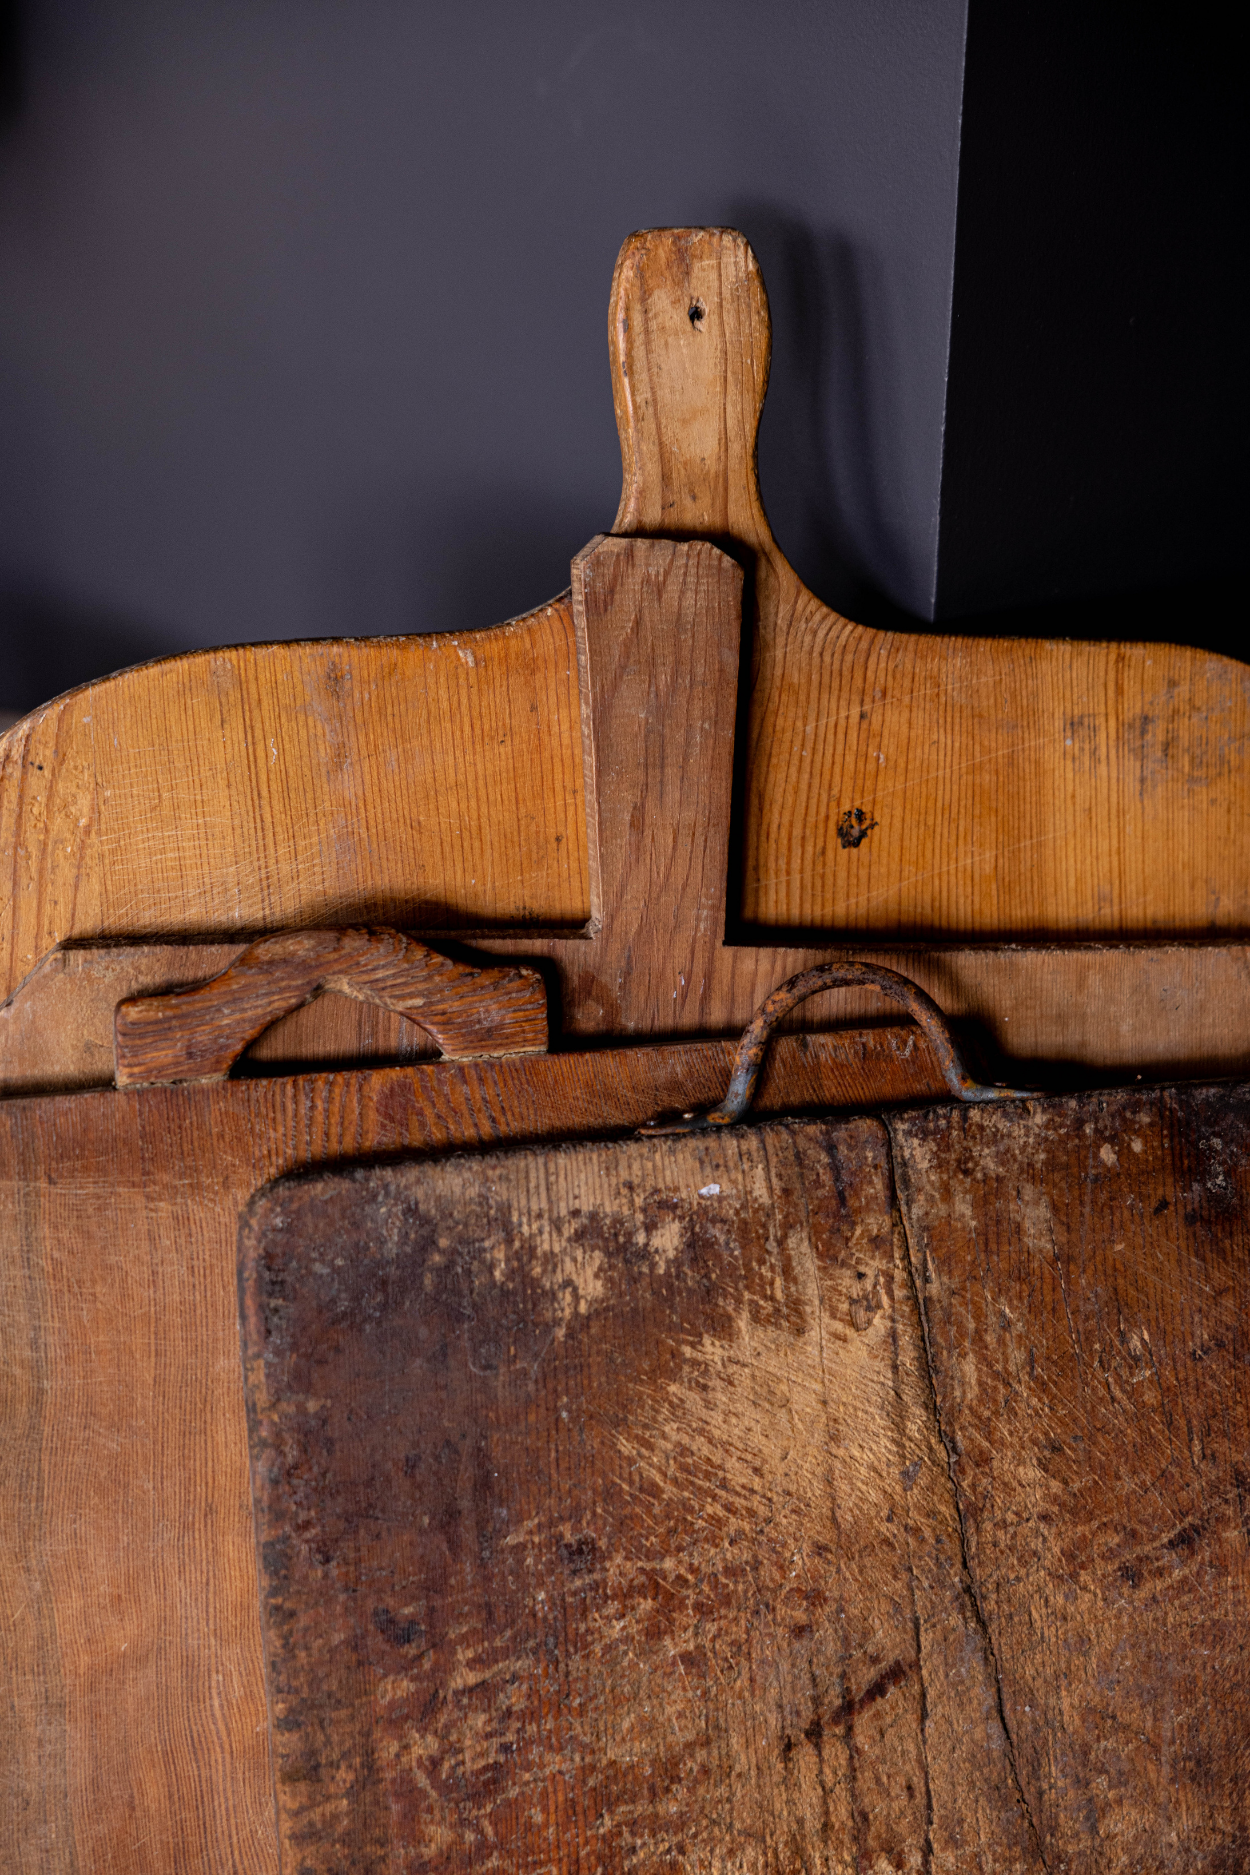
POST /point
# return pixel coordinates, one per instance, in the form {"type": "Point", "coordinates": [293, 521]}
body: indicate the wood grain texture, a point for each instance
{"type": "Point", "coordinates": [604, 1523]}
{"type": "Point", "coordinates": [198, 1034]}
{"type": "Point", "coordinates": [658, 637]}
{"type": "Point", "coordinates": [664, 1504]}
{"type": "Point", "coordinates": [133, 1732]}
{"type": "Point", "coordinates": [1084, 1270]}
{"type": "Point", "coordinates": [424, 782]}
{"type": "Point", "coordinates": [1159, 1010]}
{"type": "Point", "coordinates": [993, 789]}
{"type": "Point", "coordinates": [1004, 788]}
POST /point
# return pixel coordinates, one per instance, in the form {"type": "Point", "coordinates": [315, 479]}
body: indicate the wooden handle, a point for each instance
{"type": "Point", "coordinates": [198, 1034]}
{"type": "Point", "coordinates": [690, 338]}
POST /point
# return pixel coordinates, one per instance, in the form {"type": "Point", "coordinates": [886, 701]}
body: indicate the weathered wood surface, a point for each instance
{"type": "Point", "coordinates": [604, 1521]}
{"type": "Point", "coordinates": [902, 784]}
{"type": "Point", "coordinates": [993, 789]}
{"type": "Point", "coordinates": [1085, 1286]}
{"type": "Point", "coordinates": [198, 1034]}
{"type": "Point", "coordinates": [684, 1503]}
{"type": "Point", "coordinates": [424, 783]}
{"type": "Point", "coordinates": [133, 1731]}
{"type": "Point", "coordinates": [1177, 1008]}
{"type": "Point", "coordinates": [57, 1029]}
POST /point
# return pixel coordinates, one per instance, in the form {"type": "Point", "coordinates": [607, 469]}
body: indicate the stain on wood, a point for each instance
{"type": "Point", "coordinates": [1084, 1276]}
{"type": "Point", "coordinates": [689, 1503]}
{"type": "Point", "coordinates": [599, 1531]}
{"type": "Point", "coordinates": [133, 1727]}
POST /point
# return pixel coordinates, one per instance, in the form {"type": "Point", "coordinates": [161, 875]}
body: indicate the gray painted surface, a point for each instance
{"type": "Point", "coordinates": [303, 328]}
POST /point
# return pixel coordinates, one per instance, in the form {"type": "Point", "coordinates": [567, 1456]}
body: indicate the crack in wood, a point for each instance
{"type": "Point", "coordinates": [965, 1561]}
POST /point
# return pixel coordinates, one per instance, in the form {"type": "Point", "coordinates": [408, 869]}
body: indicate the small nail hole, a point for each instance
{"type": "Point", "coordinates": [696, 311]}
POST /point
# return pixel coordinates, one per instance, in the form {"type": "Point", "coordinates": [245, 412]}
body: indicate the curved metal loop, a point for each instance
{"type": "Point", "coordinates": [756, 1036]}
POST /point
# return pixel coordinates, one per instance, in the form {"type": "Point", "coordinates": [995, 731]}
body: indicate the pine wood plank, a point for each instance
{"type": "Point", "coordinates": [421, 782]}
{"type": "Point", "coordinates": [997, 787]}
{"type": "Point", "coordinates": [995, 790]}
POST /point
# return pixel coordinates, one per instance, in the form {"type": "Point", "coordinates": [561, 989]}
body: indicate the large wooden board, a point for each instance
{"type": "Point", "coordinates": [696, 1503]}
{"type": "Point", "coordinates": [994, 790]}
{"type": "Point", "coordinates": [133, 1729]}
{"type": "Point", "coordinates": [657, 628]}
{"type": "Point", "coordinates": [604, 1523]}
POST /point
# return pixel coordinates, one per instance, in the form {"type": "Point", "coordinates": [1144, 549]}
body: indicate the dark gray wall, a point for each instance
{"type": "Point", "coordinates": [303, 326]}
{"type": "Point", "coordinates": [1096, 411]}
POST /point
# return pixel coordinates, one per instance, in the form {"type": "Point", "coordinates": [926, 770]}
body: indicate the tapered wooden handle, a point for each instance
{"type": "Point", "coordinates": [690, 339]}
{"type": "Point", "coordinates": [198, 1034]}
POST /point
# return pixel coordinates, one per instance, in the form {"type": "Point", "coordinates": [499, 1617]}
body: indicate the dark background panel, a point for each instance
{"type": "Point", "coordinates": [1094, 467]}
{"type": "Point", "coordinates": [303, 329]}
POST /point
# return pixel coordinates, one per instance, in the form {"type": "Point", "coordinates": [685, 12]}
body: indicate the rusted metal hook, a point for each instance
{"type": "Point", "coordinates": [755, 1038]}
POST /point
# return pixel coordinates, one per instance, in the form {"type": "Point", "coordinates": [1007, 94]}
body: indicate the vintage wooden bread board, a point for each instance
{"type": "Point", "coordinates": [826, 1495]}
{"type": "Point", "coordinates": [894, 787]}
{"type": "Point", "coordinates": [133, 1728]}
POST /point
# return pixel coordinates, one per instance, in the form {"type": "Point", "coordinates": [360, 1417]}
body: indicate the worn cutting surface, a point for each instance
{"type": "Point", "coordinates": [604, 1522]}
{"type": "Point", "coordinates": [133, 1727]}
{"type": "Point", "coordinates": [1083, 1269]}
{"type": "Point", "coordinates": [687, 1504]}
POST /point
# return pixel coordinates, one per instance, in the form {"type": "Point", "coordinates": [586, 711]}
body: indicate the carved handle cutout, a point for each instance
{"type": "Point", "coordinates": [198, 1034]}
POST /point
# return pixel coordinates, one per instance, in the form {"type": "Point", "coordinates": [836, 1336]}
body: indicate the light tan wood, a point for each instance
{"type": "Point", "coordinates": [430, 783]}
{"type": "Point", "coordinates": [658, 638]}
{"type": "Point", "coordinates": [1012, 788]}
{"type": "Point", "coordinates": [197, 1034]}
{"type": "Point", "coordinates": [133, 1733]}
{"type": "Point", "coordinates": [1054, 791]}
{"type": "Point", "coordinates": [657, 633]}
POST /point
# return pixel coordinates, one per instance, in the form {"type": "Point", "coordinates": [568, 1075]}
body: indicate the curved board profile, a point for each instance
{"type": "Point", "coordinates": [903, 784]}
{"type": "Point", "coordinates": [428, 782]}
{"type": "Point", "coordinates": [897, 786]}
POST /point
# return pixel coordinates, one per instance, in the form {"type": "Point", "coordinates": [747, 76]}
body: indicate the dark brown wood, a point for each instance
{"type": "Point", "coordinates": [604, 1523]}
{"type": "Point", "coordinates": [683, 1502]}
{"type": "Point", "coordinates": [133, 1729]}
{"type": "Point", "coordinates": [1085, 1277]}
{"type": "Point", "coordinates": [197, 1034]}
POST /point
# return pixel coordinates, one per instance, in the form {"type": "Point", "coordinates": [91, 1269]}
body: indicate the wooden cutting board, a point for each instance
{"type": "Point", "coordinates": [853, 1494]}
{"type": "Point", "coordinates": [133, 1726]}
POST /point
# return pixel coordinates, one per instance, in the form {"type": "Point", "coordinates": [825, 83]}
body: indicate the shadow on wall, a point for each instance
{"type": "Point", "coordinates": [52, 645]}
{"type": "Point", "coordinates": [12, 61]}
{"type": "Point", "coordinates": [440, 563]}
{"type": "Point", "coordinates": [453, 560]}
{"type": "Point", "coordinates": [821, 472]}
